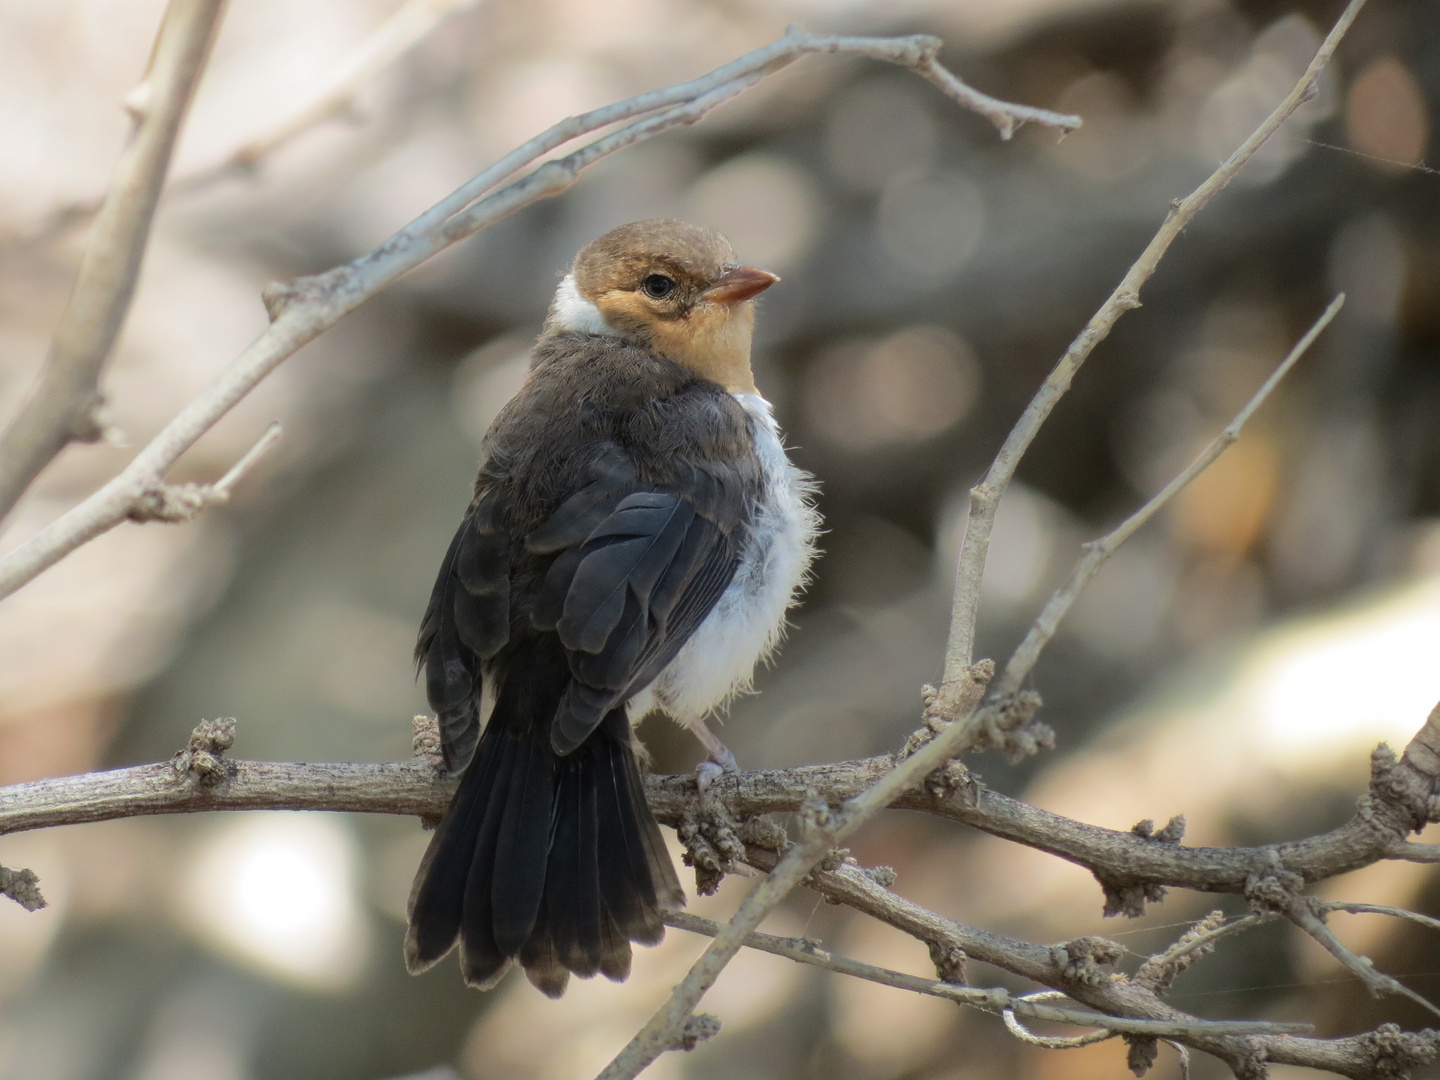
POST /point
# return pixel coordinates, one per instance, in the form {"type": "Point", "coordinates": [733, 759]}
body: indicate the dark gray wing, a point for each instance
{"type": "Point", "coordinates": [466, 622]}
{"type": "Point", "coordinates": [637, 568]}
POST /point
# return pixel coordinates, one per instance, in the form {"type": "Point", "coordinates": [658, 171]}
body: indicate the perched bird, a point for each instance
{"type": "Point", "coordinates": [635, 537]}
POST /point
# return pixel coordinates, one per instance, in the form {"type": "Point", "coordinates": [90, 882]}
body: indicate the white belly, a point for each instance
{"type": "Point", "coordinates": [748, 621]}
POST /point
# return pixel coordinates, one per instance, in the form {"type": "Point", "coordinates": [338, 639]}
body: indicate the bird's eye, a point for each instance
{"type": "Point", "coordinates": [657, 286]}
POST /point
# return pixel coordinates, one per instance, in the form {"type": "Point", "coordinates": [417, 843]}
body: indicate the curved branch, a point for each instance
{"type": "Point", "coordinates": [302, 310]}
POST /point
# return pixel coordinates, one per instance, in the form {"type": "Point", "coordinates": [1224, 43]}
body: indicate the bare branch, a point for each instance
{"type": "Point", "coordinates": [388, 42]}
{"type": "Point", "coordinates": [300, 311]}
{"type": "Point", "coordinates": [1379, 909]}
{"type": "Point", "coordinates": [1096, 553]}
{"type": "Point", "coordinates": [201, 778]}
{"type": "Point", "coordinates": [1420, 853]}
{"type": "Point", "coordinates": [985, 496]}
{"type": "Point", "coordinates": [177, 503]}
{"type": "Point", "coordinates": [62, 406]}
{"type": "Point", "coordinates": [997, 1001]}
{"type": "Point", "coordinates": [1303, 915]}
{"type": "Point", "coordinates": [1394, 807]}
{"type": "Point", "coordinates": [1050, 1042]}
{"type": "Point", "coordinates": [821, 831]}
{"type": "Point", "coordinates": [1160, 971]}
{"type": "Point", "coordinates": [1076, 969]}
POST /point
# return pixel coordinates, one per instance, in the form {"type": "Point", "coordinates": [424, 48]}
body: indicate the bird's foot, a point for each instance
{"type": "Point", "coordinates": [711, 769]}
{"type": "Point", "coordinates": [706, 773]}
{"type": "Point", "coordinates": [718, 758]}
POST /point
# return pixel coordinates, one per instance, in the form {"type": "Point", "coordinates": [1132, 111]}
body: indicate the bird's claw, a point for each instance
{"type": "Point", "coordinates": [706, 773]}
{"type": "Point", "coordinates": [715, 766]}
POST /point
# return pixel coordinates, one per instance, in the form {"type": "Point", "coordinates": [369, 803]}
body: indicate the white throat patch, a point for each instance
{"type": "Point", "coordinates": [571, 311]}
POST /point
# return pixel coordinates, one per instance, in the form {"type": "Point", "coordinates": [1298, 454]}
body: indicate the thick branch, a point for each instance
{"type": "Point", "coordinates": [62, 407]}
{"type": "Point", "coordinates": [985, 496]}
{"type": "Point", "coordinates": [1400, 800]}
{"type": "Point", "coordinates": [304, 309]}
{"type": "Point", "coordinates": [1397, 804]}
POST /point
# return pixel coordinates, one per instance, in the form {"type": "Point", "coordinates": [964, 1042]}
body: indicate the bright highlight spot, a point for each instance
{"type": "Point", "coordinates": [276, 891]}
{"type": "Point", "coordinates": [1373, 675]}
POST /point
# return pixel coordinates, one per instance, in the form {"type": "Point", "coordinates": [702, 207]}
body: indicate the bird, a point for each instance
{"type": "Point", "coordinates": [634, 540]}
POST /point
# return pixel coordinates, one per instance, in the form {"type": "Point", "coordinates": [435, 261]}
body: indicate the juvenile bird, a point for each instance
{"type": "Point", "coordinates": [635, 537]}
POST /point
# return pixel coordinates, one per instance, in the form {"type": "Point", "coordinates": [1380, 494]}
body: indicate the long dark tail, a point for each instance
{"type": "Point", "coordinates": [554, 861]}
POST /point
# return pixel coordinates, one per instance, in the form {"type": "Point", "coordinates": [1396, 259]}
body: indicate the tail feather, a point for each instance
{"type": "Point", "coordinates": [614, 951]}
{"type": "Point", "coordinates": [551, 860]}
{"type": "Point", "coordinates": [585, 949]}
{"type": "Point", "coordinates": [437, 898]}
{"type": "Point", "coordinates": [481, 958]}
{"type": "Point", "coordinates": [542, 966]}
{"type": "Point", "coordinates": [626, 881]}
{"type": "Point", "coordinates": [518, 882]}
{"type": "Point", "coordinates": [562, 874]}
{"type": "Point", "coordinates": [669, 896]}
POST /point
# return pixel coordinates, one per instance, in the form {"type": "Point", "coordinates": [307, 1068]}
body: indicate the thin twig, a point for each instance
{"type": "Point", "coordinates": [302, 310]}
{"type": "Point", "coordinates": [822, 830]}
{"type": "Point", "coordinates": [1184, 1052]}
{"type": "Point", "coordinates": [1416, 852]}
{"type": "Point", "coordinates": [1098, 552]}
{"type": "Point", "coordinates": [62, 407]}
{"type": "Point", "coordinates": [406, 28]}
{"type": "Point", "coordinates": [1360, 1056]}
{"type": "Point", "coordinates": [1380, 909]}
{"type": "Point", "coordinates": [1050, 1042]}
{"type": "Point", "coordinates": [985, 496]}
{"type": "Point", "coordinates": [1300, 913]}
{"type": "Point", "coordinates": [175, 504]}
{"type": "Point", "coordinates": [1191, 943]}
{"type": "Point", "coordinates": [388, 42]}
{"type": "Point", "coordinates": [995, 1001]}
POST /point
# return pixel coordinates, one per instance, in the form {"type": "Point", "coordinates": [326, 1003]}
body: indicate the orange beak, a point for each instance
{"type": "Point", "coordinates": [739, 284]}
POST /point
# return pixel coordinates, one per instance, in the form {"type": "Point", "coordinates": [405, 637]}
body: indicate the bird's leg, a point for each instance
{"type": "Point", "coordinates": [718, 758]}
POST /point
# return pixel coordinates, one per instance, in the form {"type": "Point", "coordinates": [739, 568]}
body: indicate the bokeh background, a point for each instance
{"type": "Point", "coordinates": [1235, 662]}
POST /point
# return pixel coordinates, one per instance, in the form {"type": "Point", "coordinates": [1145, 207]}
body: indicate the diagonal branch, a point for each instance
{"type": "Point", "coordinates": [985, 496]}
{"type": "Point", "coordinates": [405, 28]}
{"type": "Point", "coordinates": [995, 1001]}
{"type": "Point", "coordinates": [302, 310]}
{"type": "Point", "coordinates": [1023, 660]}
{"type": "Point", "coordinates": [821, 830]}
{"type": "Point", "coordinates": [1074, 968]}
{"type": "Point", "coordinates": [62, 406]}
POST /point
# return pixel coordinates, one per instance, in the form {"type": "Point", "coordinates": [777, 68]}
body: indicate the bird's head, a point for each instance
{"type": "Point", "coordinates": [670, 287]}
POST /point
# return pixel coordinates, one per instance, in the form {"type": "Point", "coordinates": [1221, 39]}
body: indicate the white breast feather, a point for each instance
{"type": "Point", "coordinates": [748, 621]}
